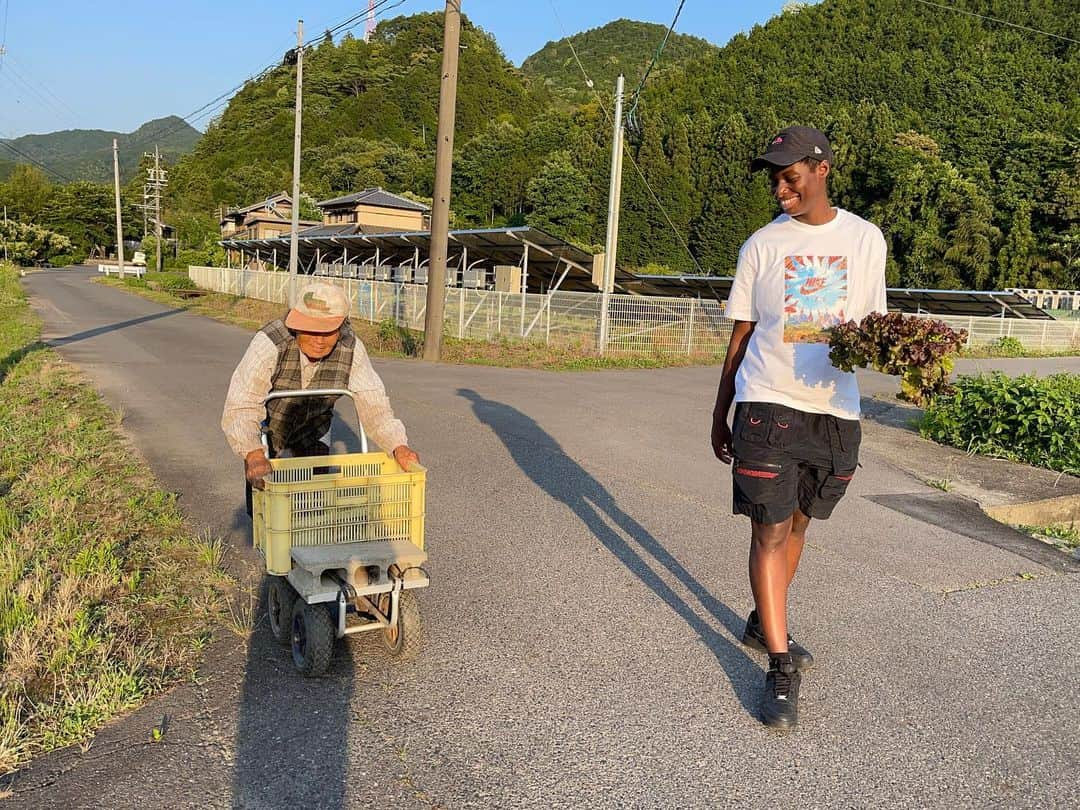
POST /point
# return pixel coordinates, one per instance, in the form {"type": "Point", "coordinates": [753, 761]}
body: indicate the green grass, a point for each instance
{"type": "Point", "coordinates": [1064, 537]}
{"type": "Point", "coordinates": [986, 353]}
{"type": "Point", "coordinates": [386, 339]}
{"type": "Point", "coordinates": [105, 597]}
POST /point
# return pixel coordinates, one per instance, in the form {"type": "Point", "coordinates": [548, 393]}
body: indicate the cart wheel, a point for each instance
{"type": "Point", "coordinates": [313, 637]}
{"type": "Point", "coordinates": [402, 639]}
{"type": "Point", "coordinates": [280, 599]}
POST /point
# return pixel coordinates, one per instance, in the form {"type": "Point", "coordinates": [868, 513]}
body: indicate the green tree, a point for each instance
{"type": "Point", "coordinates": [1017, 260]}
{"type": "Point", "coordinates": [557, 200]}
{"type": "Point", "coordinates": [29, 244]}
{"type": "Point", "coordinates": [938, 223]}
{"type": "Point", "coordinates": [26, 192]}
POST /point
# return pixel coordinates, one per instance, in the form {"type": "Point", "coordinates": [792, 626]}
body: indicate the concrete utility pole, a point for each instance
{"type": "Point", "coordinates": [119, 224]}
{"type": "Point", "coordinates": [293, 239]}
{"type": "Point", "coordinates": [159, 182]}
{"type": "Point", "coordinates": [369, 29]}
{"type": "Point", "coordinates": [440, 207]}
{"type": "Point", "coordinates": [611, 246]}
{"type": "Point", "coordinates": [156, 180]}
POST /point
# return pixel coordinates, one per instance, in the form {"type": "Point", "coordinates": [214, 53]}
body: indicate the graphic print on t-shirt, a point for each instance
{"type": "Point", "coordinates": [815, 296]}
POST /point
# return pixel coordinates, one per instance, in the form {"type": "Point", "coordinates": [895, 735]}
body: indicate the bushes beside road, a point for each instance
{"type": "Point", "coordinates": [1030, 419]}
{"type": "Point", "coordinates": [105, 597]}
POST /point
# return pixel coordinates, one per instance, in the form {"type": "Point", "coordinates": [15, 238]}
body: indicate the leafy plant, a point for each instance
{"type": "Point", "coordinates": [918, 350]}
{"type": "Point", "coordinates": [1026, 418]}
{"type": "Point", "coordinates": [177, 283]}
{"type": "Point", "coordinates": [1064, 537]}
{"type": "Point", "coordinates": [1006, 346]}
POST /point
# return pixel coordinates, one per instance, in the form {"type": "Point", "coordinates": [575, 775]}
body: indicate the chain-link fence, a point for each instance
{"type": "Point", "coordinates": [636, 325]}
{"type": "Point", "coordinates": [1041, 335]}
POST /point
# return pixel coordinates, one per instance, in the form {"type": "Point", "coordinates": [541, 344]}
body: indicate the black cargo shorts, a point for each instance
{"type": "Point", "coordinates": [785, 458]}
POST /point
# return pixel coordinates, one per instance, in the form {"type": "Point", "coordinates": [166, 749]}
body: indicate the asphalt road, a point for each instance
{"type": "Point", "coordinates": [588, 593]}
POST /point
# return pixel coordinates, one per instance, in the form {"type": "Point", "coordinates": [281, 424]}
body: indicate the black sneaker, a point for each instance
{"type": "Point", "coordinates": [780, 703]}
{"type": "Point", "coordinates": [754, 637]}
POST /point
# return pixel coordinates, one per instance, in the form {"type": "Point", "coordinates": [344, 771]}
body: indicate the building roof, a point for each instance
{"type": "Point", "coordinates": [550, 258]}
{"type": "Point", "coordinates": [267, 204]}
{"type": "Point", "coordinates": [376, 196]}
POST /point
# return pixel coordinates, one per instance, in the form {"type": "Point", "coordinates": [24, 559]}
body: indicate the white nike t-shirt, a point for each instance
{"type": "Point", "coordinates": [795, 281]}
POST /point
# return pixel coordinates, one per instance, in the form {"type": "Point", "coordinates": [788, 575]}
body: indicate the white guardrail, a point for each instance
{"type": "Point", "coordinates": [136, 270]}
{"type": "Point", "coordinates": [637, 324]}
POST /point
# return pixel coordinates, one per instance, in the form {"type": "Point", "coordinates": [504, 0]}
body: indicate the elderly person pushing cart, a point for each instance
{"type": "Point", "coordinates": [312, 347]}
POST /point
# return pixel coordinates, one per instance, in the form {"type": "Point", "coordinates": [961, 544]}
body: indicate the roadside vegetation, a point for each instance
{"type": "Point", "coordinates": [105, 596]}
{"type": "Point", "coordinates": [1035, 420]}
{"type": "Point", "coordinates": [1063, 537]}
{"type": "Point", "coordinates": [387, 339]}
{"type": "Point", "coordinates": [1006, 346]}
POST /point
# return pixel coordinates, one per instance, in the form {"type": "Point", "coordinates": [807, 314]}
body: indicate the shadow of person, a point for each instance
{"type": "Point", "coordinates": [542, 459]}
{"type": "Point", "coordinates": [292, 731]}
{"type": "Point", "coordinates": [104, 329]}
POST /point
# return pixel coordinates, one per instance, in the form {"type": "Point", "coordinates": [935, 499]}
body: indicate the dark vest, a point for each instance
{"type": "Point", "coordinates": [298, 424]}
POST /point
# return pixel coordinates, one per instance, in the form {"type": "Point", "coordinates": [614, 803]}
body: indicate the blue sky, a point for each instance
{"type": "Point", "coordinates": [114, 65]}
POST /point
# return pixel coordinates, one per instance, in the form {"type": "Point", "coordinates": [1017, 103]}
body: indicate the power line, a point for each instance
{"type": "Point", "coordinates": [58, 106]}
{"type": "Point", "coordinates": [996, 20]}
{"type": "Point", "coordinates": [570, 42]}
{"type": "Point", "coordinates": [35, 161]}
{"type": "Point", "coordinates": [220, 101]}
{"type": "Point", "coordinates": [632, 114]}
{"type": "Point", "coordinates": [626, 149]}
{"type": "Point", "coordinates": [203, 111]}
{"type": "Point", "coordinates": [48, 91]}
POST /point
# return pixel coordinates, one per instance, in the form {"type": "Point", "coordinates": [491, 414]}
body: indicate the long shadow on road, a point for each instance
{"type": "Point", "coordinates": [542, 459]}
{"type": "Point", "coordinates": [292, 747]}
{"type": "Point", "coordinates": [109, 327]}
{"type": "Point", "coordinates": [292, 734]}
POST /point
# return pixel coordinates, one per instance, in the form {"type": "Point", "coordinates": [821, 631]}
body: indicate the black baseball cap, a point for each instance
{"type": "Point", "coordinates": [792, 145]}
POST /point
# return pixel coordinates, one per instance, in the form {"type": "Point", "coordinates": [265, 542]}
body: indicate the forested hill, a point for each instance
{"type": "Point", "coordinates": [957, 135]}
{"type": "Point", "coordinates": [370, 115]}
{"type": "Point", "coordinates": [622, 46]}
{"type": "Point", "coordinates": [86, 154]}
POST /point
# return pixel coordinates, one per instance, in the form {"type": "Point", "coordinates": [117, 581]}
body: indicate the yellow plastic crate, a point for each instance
{"type": "Point", "coordinates": [324, 500]}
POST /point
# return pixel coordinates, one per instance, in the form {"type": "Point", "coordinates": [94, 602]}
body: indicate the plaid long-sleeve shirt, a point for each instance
{"type": "Point", "coordinates": [250, 384]}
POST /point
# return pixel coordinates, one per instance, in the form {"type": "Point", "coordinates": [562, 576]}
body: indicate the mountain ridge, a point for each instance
{"type": "Point", "coordinates": [86, 154]}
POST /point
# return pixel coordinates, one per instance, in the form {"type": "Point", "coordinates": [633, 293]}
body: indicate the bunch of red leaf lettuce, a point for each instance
{"type": "Point", "coordinates": [917, 350]}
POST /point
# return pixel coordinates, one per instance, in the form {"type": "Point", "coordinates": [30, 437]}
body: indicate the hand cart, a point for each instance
{"type": "Point", "coordinates": [343, 538]}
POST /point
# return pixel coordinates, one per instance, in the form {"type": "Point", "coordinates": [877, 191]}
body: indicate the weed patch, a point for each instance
{"type": "Point", "coordinates": [104, 596]}
{"type": "Point", "coordinates": [1064, 537]}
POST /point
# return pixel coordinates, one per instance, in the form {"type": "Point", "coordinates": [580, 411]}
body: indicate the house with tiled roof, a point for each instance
{"type": "Point", "coordinates": [375, 210]}
{"type": "Point", "coordinates": [262, 220]}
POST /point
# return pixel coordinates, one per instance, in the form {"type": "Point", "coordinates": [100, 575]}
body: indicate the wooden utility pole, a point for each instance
{"type": "Point", "coordinates": [119, 223]}
{"type": "Point", "coordinates": [611, 246]}
{"type": "Point", "coordinates": [440, 208]}
{"type": "Point", "coordinates": [293, 238]}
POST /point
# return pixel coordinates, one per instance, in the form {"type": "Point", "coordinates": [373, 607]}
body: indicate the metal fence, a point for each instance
{"type": "Point", "coordinates": [1043, 335]}
{"type": "Point", "coordinates": [637, 324]}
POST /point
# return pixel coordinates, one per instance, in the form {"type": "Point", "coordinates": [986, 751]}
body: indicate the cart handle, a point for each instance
{"type": "Point", "coordinates": [324, 392]}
